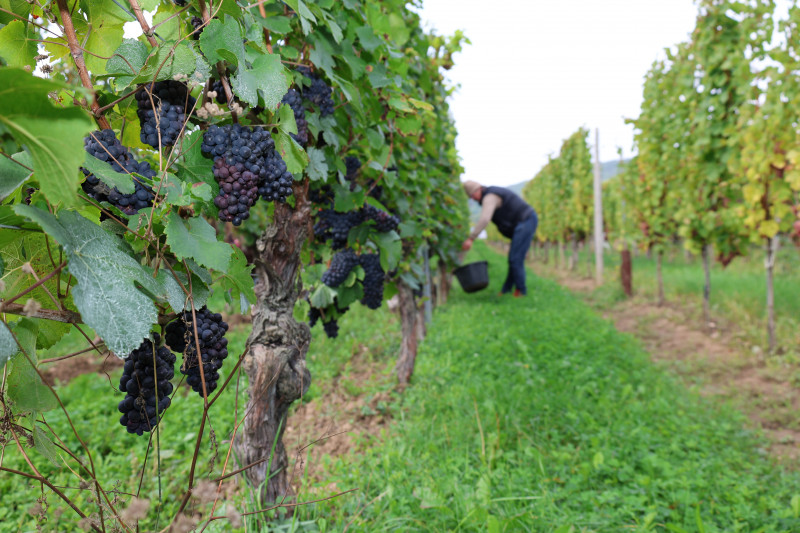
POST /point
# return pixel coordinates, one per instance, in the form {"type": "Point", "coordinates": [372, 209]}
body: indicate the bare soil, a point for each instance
{"type": "Point", "coordinates": [711, 356]}
{"type": "Point", "coordinates": [344, 419]}
{"type": "Point", "coordinates": [64, 371]}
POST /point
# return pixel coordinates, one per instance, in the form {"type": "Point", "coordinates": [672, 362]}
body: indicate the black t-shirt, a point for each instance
{"type": "Point", "coordinates": [511, 212]}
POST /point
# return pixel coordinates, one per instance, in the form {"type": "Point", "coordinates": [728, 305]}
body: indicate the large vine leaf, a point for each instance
{"type": "Point", "coordinates": [238, 281]}
{"type": "Point", "coordinates": [127, 61]}
{"type": "Point", "coordinates": [222, 41]}
{"type": "Point", "coordinates": [54, 136]}
{"type": "Point", "coordinates": [291, 152]}
{"type": "Point", "coordinates": [8, 346]}
{"type": "Point", "coordinates": [173, 61]}
{"type": "Point", "coordinates": [196, 238]}
{"type": "Point", "coordinates": [121, 180]}
{"type": "Point", "coordinates": [111, 284]}
{"type": "Point", "coordinates": [25, 388]}
{"type": "Point", "coordinates": [267, 77]}
{"type": "Point", "coordinates": [18, 45]}
{"type": "Point", "coordinates": [31, 248]}
{"type": "Point", "coordinates": [13, 173]}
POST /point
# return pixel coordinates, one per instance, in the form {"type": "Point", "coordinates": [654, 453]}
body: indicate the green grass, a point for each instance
{"type": "Point", "coordinates": [92, 404]}
{"type": "Point", "coordinates": [738, 292]}
{"type": "Point", "coordinates": [536, 415]}
{"type": "Point", "coordinates": [528, 414]}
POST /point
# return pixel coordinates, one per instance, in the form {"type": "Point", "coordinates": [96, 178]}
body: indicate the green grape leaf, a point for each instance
{"type": "Point", "coordinates": [166, 64]}
{"type": "Point", "coordinates": [300, 7]}
{"type": "Point", "coordinates": [43, 445]}
{"type": "Point", "coordinates": [104, 34]}
{"type": "Point", "coordinates": [121, 180]}
{"type": "Point", "coordinates": [12, 174]}
{"type": "Point", "coordinates": [317, 166]}
{"type": "Point", "coordinates": [369, 41]}
{"type": "Point", "coordinates": [25, 388]}
{"type": "Point", "coordinates": [54, 136]}
{"type": "Point", "coordinates": [195, 167]}
{"type": "Point", "coordinates": [276, 24]}
{"type": "Point", "coordinates": [196, 238]}
{"type": "Point", "coordinates": [222, 41]}
{"type": "Point", "coordinates": [8, 346]}
{"type": "Point", "coordinates": [32, 247]}
{"type": "Point", "coordinates": [267, 78]}
{"type": "Point", "coordinates": [296, 159]}
{"type": "Point", "coordinates": [286, 120]}
{"type": "Point", "coordinates": [19, 7]}
{"type": "Point", "coordinates": [107, 293]}
{"type": "Point", "coordinates": [169, 26]}
{"type": "Point", "coordinates": [323, 296]}
{"type": "Point", "coordinates": [18, 44]}
{"type": "Point", "coordinates": [391, 249]}
{"type": "Point", "coordinates": [239, 280]}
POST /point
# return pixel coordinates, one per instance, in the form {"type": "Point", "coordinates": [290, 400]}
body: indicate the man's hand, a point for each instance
{"type": "Point", "coordinates": [467, 245]}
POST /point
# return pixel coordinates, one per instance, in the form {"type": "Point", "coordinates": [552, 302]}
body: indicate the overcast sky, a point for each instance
{"type": "Point", "coordinates": [537, 70]}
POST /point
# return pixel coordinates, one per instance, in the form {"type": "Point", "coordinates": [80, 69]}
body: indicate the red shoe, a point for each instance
{"type": "Point", "coordinates": [518, 294]}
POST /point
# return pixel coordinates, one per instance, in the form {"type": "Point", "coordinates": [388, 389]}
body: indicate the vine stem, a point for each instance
{"type": "Point", "coordinates": [80, 64]}
{"type": "Point", "coordinates": [5, 304]}
{"type": "Point", "coordinates": [137, 12]}
{"type": "Point", "coordinates": [220, 67]}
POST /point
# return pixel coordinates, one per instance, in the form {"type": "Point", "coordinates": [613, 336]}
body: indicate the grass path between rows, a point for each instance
{"type": "Point", "coordinates": [535, 414]}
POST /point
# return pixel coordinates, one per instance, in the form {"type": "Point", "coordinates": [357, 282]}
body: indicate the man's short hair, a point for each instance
{"type": "Point", "coordinates": [471, 186]}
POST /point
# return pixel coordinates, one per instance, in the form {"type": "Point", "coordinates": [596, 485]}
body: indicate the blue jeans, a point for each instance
{"type": "Point", "coordinates": [520, 244]}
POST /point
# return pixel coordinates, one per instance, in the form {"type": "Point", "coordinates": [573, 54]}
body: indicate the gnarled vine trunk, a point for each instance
{"type": "Point", "coordinates": [409, 317]}
{"type": "Point", "coordinates": [445, 281]}
{"type": "Point", "coordinates": [276, 360]}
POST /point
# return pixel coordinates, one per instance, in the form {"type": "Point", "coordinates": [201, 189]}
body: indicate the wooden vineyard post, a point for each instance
{"type": "Point", "coordinates": [598, 212]}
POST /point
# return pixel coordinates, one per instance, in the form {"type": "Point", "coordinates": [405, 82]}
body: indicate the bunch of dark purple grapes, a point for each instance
{"type": "Point", "coordinates": [179, 336]}
{"type": "Point", "coordinates": [104, 146]}
{"type": "Point", "coordinates": [336, 226]}
{"type": "Point", "coordinates": [341, 265]}
{"type": "Point", "coordinates": [145, 382]}
{"type": "Point", "coordinates": [321, 196]}
{"type": "Point", "coordinates": [374, 278]}
{"type": "Point", "coordinates": [246, 165]}
{"type": "Point", "coordinates": [162, 108]}
{"type": "Point", "coordinates": [384, 222]}
{"type": "Point", "coordinates": [318, 93]}
{"type": "Point", "coordinates": [293, 99]}
{"type": "Point", "coordinates": [352, 164]}
{"type": "Point", "coordinates": [331, 325]}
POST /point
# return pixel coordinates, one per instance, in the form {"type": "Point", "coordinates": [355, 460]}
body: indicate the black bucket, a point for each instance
{"type": "Point", "coordinates": [473, 276]}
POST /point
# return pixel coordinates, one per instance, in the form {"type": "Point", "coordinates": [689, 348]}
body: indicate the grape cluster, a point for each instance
{"type": "Point", "coordinates": [321, 196]}
{"type": "Point", "coordinates": [336, 226]}
{"type": "Point", "coordinates": [293, 99]}
{"type": "Point", "coordinates": [352, 164]}
{"type": "Point", "coordinates": [166, 113]}
{"type": "Point", "coordinates": [145, 382]}
{"type": "Point", "coordinates": [213, 346]}
{"type": "Point", "coordinates": [318, 93]}
{"type": "Point", "coordinates": [384, 222]}
{"type": "Point", "coordinates": [246, 165]}
{"type": "Point", "coordinates": [218, 88]}
{"type": "Point", "coordinates": [373, 280]}
{"type": "Point", "coordinates": [196, 23]}
{"type": "Point", "coordinates": [104, 146]}
{"type": "Point", "coordinates": [331, 328]}
{"type": "Point", "coordinates": [314, 314]}
{"type": "Point", "coordinates": [341, 265]}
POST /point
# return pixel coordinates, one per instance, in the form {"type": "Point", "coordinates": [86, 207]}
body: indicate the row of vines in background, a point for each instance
{"type": "Point", "coordinates": [297, 157]}
{"type": "Point", "coordinates": [717, 144]}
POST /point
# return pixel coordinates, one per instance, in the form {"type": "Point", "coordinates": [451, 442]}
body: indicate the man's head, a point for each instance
{"type": "Point", "coordinates": [473, 189]}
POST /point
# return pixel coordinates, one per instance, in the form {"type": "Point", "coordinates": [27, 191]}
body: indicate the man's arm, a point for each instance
{"type": "Point", "coordinates": [490, 203]}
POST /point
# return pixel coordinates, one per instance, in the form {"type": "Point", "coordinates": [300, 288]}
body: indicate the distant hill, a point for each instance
{"type": "Point", "coordinates": [608, 170]}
